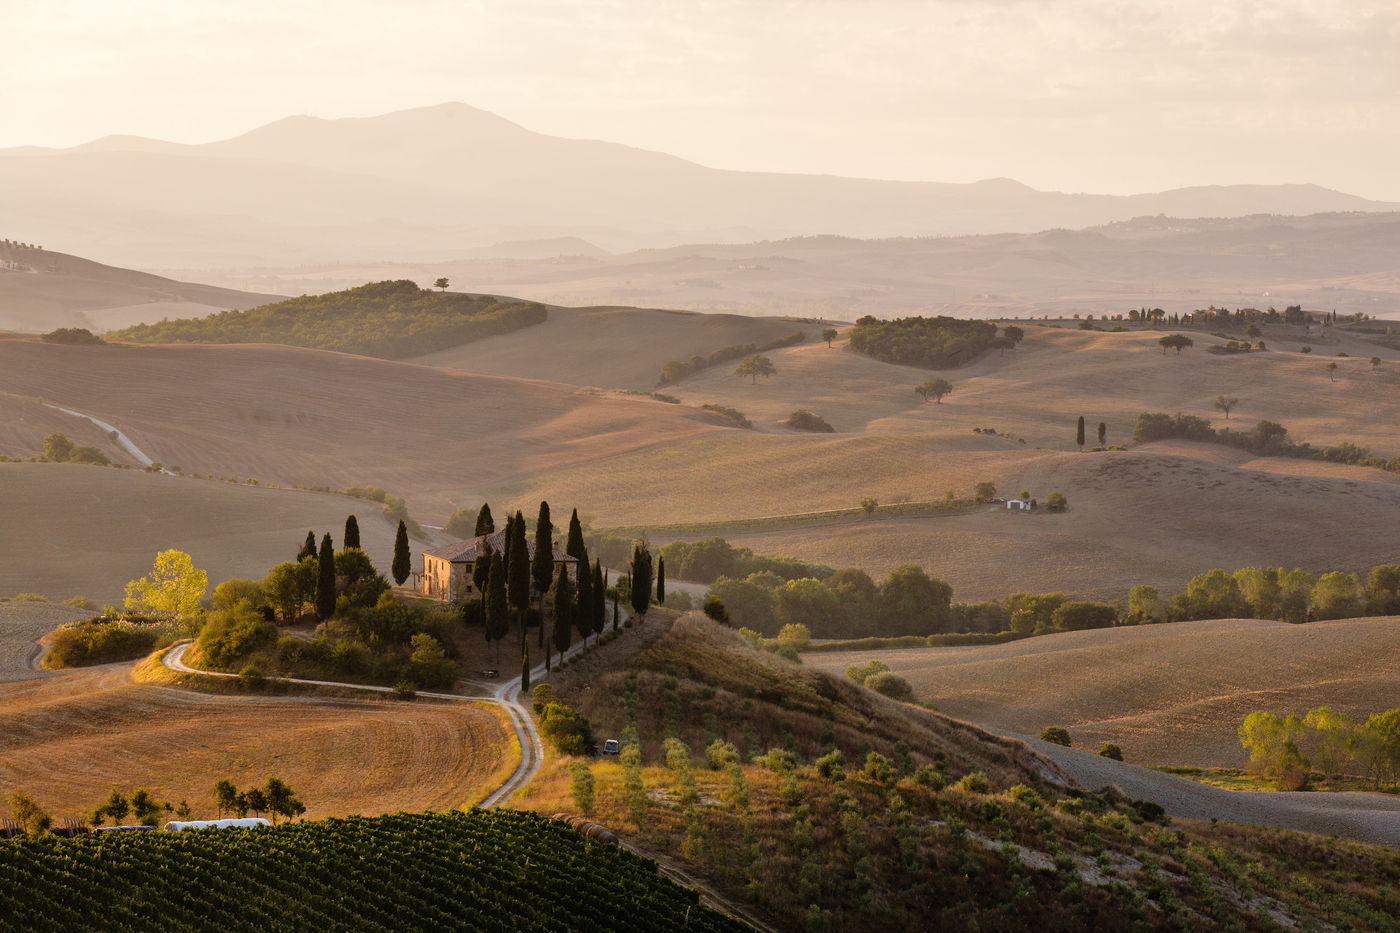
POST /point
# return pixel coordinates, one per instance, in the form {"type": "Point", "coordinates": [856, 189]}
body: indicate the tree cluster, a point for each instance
{"type": "Point", "coordinates": [930, 342]}
{"type": "Point", "coordinates": [676, 370]}
{"type": "Point", "coordinates": [391, 320]}
{"type": "Point", "coordinates": [1287, 750]}
{"type": "Point", "coordinates": [274, 798]}
{"type": "Point", "coordinates": [844, 603]}
{"type": "Point", "coordinates": [59, 449]}
{"type": "Point", "coordinates": [708, 560]}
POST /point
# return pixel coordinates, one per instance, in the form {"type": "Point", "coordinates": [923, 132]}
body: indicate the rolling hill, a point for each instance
{"type": "Point", "coordinates": [1170, 694]}
{"type": "Point", "coordinates": [41, 290]}
{"type": "Point", "coordinates": [402, 184]}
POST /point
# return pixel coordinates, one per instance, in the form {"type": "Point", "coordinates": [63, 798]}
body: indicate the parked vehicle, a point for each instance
{"type": "Point", "coordinates": [610, 747]}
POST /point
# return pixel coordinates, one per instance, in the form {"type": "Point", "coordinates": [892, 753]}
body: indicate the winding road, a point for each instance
{"type": "Point", "coordinates": [114, 432]}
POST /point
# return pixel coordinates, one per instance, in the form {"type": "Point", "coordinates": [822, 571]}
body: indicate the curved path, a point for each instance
{"type": "Point", "coordinates": [121, 438]}
{"type": "Point", "coordinates": [506, 695]}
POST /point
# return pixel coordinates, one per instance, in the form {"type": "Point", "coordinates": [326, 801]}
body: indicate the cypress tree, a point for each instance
{"type": "Point", "coordinates": [600, 598]}
{"type": "Point", "coordinates": [615, 602]}
{"type": "Point", "coordinates": [518, 571]}
{"type": "Point", "coordinates": [574, 547]}
{"type": "Point", "coordinates": [1079, 434]}
{"type": "Point", "coordinates": [308, 549]}
{"type": "Point", "coordinates": [481, 574]}
{"type": "Point", "coordinates": [563, 612]}
{"type": "Point", "coordinates": [325, 580]}
{"type": "Point", "coordinates": [524, 666]}
{"type": "Point", "coordinates": [543, 566]}
{"type": "Point", "coordinates": [641, 579]}
{"type": "Point", "coordinates": [497, 607]}
{"type": "Point", "coordinates": [484, 524]}
{"type": "Point", "coordinates": [402, 565]}
{"type": "Point", "coordinates": [352, 533]}
{"type": "Point", "coordinates": [583, 615]}
{"type": "Point", "coordinates": [661, 580]}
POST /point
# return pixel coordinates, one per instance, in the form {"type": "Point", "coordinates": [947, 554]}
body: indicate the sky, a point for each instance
{"type": "Point", "coordinates": [1107, 96]}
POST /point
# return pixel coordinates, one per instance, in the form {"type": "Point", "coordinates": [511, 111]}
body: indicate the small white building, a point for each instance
{"type": "Point", "coordinates": [1018, 505]}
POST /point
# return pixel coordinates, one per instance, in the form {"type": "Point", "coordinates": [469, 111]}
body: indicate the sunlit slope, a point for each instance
{"type": "Point", "coordinates": [69, 739]}
{"type": "Point", "coordinates": [294, 416]}
{"type": "Point", "coordinates": [84, 530]}
{"type": "Point", "coordinates": [1166, 694]}
{"type": "Point", "coordinates": [622, 348]}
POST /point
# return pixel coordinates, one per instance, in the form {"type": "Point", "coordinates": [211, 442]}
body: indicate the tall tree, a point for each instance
{"type": "Point", "coordinates": [225, 796]}
{"type": "Point", "coordinates": [308, 548]}
{"type": "Point", "coordinates": [325, 578]}
{"type": "Point", "coordinates": [542, 569]}
{"type": "Point", "coordinates": [583, 613]}
{"type": "Point", "coordinates": [441, 284]}
{"type": "Point", "coordinates": [600, 598]}
{"type": "Point", "coordinates": [352, 532]}
{"type": "Point", "coordinates": [641, 579]}
{"type": "Point", "coordinates": [497, 606]}
{"type": "Point", "coordinates": [1103, 433]}
{"type": "Point", "coordinates": [563, 613]}
{"type": "Point", "coordinates": [484, 523]}
{"type": "Point", "coordinates": [524, 666]}
{"type": "Point", "coordinates": [518, 571]}
{"type": "Point", "coordinates": [574, 546]}
{"type": "Point", "coordinates": [1079, 433]}
{"type": "Point", "coordinates": [661, 579]}
{"type": "Point", "coordinates": [403, 564]}
{"type": "Point", "coordinates": [829, 334]}
{"type": "Point", "coordinates": [173, 588]}
{"type": "Point", "coordinates": [1225, 404]}
{"type": "Point", "coordinates": [481, 574]}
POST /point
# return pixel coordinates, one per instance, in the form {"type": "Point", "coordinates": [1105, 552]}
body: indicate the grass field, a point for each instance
{"type": "Point", "coordinates": [1166, 694]}
{"type": "Point", "coordinates": [75, 530]}
{"type": "Point", "coordinates": [68, 739]}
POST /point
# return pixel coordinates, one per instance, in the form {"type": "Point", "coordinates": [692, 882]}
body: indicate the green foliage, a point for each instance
{"type": "Point", "coordinates": [733, 415]}
{"type": "Point", "coordinates": [930, 342]}
{"type": "Point", "coordinates": [861, 673]}
{"type": "Point", "coordinates": [231, 634]}
{"type": "Point", "coordinates": [331, 874]}
{"type": "Point", "coordinates": [352, 533]}
{"type": "Point", "coordinates": [804, 420]}
{"type": "Point", "coordinates": [102, 640]}
{"type": "Point", "coordinates": [708, 560]}
{"type": "Point", "coordinates": [289, 586]}
{"type": "Point", "coordinates": [714, 608]}
{"type": "Point", "coordinates": [755, 366]}
{"type": "Point", "coordinates": [719, 754]}
{"type": "Point", "coordinates": [57, 448]}
{"type": "Point", "coordinates": [985, 492]}
{"type": "Point", "coordinates": [869, 504]}
{"type": "Point", "coordinates": [402, 565]}
{"type": "Point", "coordinates": [975, 782]}
{"type": "Point", "coordinates": [934, 388]}
{"type": "Point", "coordinates": [31, 818]}
{"type": "Point", "coordinates": [1056, 734]}
{"type": "Point", "coordinates": [325, 579]}
{"type": "Point", "coordinates": [1109, 750]}
{"type": "Point", "coordinates": [1077, 615]}
{"type": "Point", "coordinates": [581, 779]}
{"type": "Point", "coordinates": [392, 320]}
{"type": "Point", "coordinates": [1273, 746]}
{"type": "Point", "coordinates": [1144, 604]}
{"type": "Point", "coordinates": [78, 336]}
{"type": "Point", "coordinates": [640, 596]}
{"type": "Point", "coordinates": [566, 729]}
{"type": "Point", "coordinates": [1056, 502]}
{"type": "Point", "coordinates": [173, 588]}
{"type": "Point", "coordinates": [676, 370]}
{"type": "Point", "coordinates": [891, 685]}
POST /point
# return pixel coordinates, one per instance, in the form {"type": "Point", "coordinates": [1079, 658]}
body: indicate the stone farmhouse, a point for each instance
{"type": "Point", "coordinates": [447, 570]}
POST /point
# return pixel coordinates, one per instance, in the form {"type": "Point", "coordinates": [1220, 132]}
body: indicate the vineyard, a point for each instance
{"type": "Point", "coordinates": [476, 870]}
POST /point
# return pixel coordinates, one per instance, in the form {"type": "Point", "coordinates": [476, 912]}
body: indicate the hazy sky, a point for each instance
{"type": "Point", "coordinates": [1078, 95]}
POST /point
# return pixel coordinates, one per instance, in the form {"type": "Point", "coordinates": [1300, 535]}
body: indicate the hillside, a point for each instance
{"type": "Point", "coordinates": [1170, 694]}
{"type": "Point", "coordinates": [815, 801]}
{"type": "Point", "coordinates": [74, 530]}
{"type": "Point", "coordinates": [41, 290]}
{"type": "Point", "coordinates": [384, 319]}
{"type": "Point", "coordinates": [334, 874]}
{"type": "Point", "coordinates": [610, 347]}
{"type": "Point", "coordinates": [434, 181]}
{"type": "Point", "coordinates": [69, 738]}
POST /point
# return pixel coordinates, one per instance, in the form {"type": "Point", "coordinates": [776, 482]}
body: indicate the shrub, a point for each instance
{"type": "Point", "coordinates": [878, 768]}
{"type": "Point", "coordinates": [1057, 735]}
{"type": "Point", "coordinates": [714, 608]}
{"type": "Point", "coordinates": [1109, 750]}
{"type": "Point", "coordinates": [720, 753]}
{"type": "Point", "coordinates": [102, 640]}
{"type": "Point", "coordinates": [779, 760]}
{"type": "Point", "coordinates": [832, 765]}
{"type": "Point", "coordinates": [582, 780]}
{"type": "Point", "coordinates": [860, 674]}
{"type": "Point", "coordinates": [1056, 502]}
{"type": "Point", "coordinates": [541, 696]}
{"type": "Point", "coordinates": [566, 729]}
{"type": "Point", "coordinates": [975, 782]}
{"type": "Point", "coordinates": [804, 420]}
{"type": "Point", "coordinates": [891, 685]}
{"type": "Point", "coordinates": [229, 634]}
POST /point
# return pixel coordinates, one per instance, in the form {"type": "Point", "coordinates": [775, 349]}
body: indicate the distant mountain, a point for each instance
{"type": "Point", "coordinates": [429, 183]}
{"type": "Point", "coordinates": [41, 290]}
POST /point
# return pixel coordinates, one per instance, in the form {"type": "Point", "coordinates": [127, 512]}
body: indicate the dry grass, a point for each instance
{"type": "Point", "coordinates": [1166, 694]}
{"type": "Point", "coordinates": [70, 738]}
{"type": "Point", "coordinates": [85, 531]}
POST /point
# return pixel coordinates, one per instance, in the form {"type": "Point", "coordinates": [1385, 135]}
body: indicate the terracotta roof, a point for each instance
{"type": "Point", "coordinates": [466, 552]}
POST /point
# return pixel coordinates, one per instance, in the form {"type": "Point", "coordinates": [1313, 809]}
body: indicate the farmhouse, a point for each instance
{"type": "Point", "coordinates": [447, 570]}
{"type": "Point", "coordinates": [1018, 505]}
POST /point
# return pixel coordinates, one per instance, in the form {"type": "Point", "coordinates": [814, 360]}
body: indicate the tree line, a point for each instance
{"type": "Point", "coordinates": [930, 342]}
{"type": "Point", "coordinates": [1266, 438]}
{"type": "Point", "coordinates": [1287, 750]}
{"type": "Point", "coordinates": [676, 370]}
{"type": "Point", "coordinates": [392, 320]}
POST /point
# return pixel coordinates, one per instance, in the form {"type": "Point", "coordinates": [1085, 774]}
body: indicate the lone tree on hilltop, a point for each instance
{"type": "Point", "coordinates": [1079, 433]}
{"type": "Point", "coordinates": [441, 284]}
{"type": "Point", "coordinates": [829, 334]}
{"type": "Point", "coordinates": [935, 389]}
{"type": "Point", "coordinates": [1103, 433]}
{"type": "Point", "coordinates": [325, 579]}
{"type": "Point", "coordinates": [402, 565]}
{"type": "Point", "coordinates": [1225, 404]}
{"type": "Point", "coordinates": [1332, 370]}
{"type": "Point", "coordinates": [1177, 342]}
{"type": "Point", "coordinates": [755, 366]}
{"type": "Point", "coordinates": [352, 532]}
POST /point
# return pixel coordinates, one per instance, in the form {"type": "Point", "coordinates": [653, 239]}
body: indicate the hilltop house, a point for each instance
{"type": "Point", "coordinates": [447, 570]}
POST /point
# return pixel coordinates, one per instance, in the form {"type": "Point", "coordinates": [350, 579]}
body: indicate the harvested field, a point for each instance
{"type": "Point", "coordinates": [68, 739]}
{"type": "Point", "coordinates": [74, 530]}
{"type": "Point", "coordinates": [22, 624]}
{"type": "Point", "coordinates": [1166, 694]}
